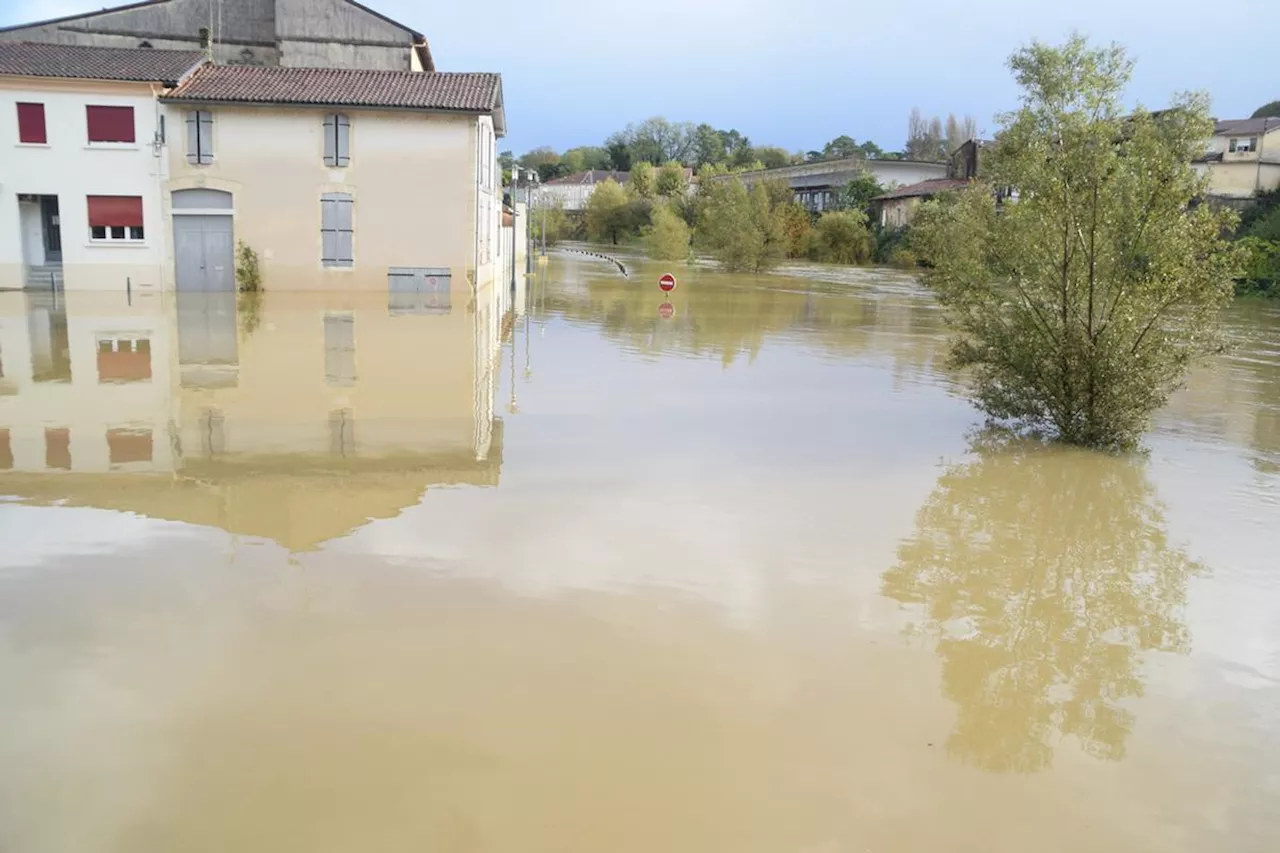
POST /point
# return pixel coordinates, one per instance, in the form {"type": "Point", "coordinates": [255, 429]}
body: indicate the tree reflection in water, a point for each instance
{"type": "Point", "coordinates": [1044, 573]}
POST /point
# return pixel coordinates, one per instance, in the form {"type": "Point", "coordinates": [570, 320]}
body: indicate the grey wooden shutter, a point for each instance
{"type": "Point", "coordinates": [193, 136]}
{"type": "Point", "coordinates": [340, 349]}
{"type": "Point", "coordinates": [337, 229]}
{"type": "Point", "coordinates": [330, 140]}
{"type": "Point", "coordinates": [204, 135]}
{"type": "Point", "coordinates": [343, 139]}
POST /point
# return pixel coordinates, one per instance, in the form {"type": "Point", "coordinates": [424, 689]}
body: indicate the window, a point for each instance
{"type": "Point", "coordinates": [337, 140]}
{"type": "Point", "coordinates": [110, 124]}
{"type": "Point", "coordinates": [336, 232]}
{"type": "Point", "coordinates": [204, 37]}
{"type": "Point", "coordinates": [115, 217]}
{"type": "Point", "coordinates": [124, 360]}
{"type": "Point", "coordinates": [31, 127]}
{"type": "Point", "coordinates": [57, 448]}
{"type": "Point", "coordinates": [200, 137]}
{"type": "Point", "coordinates": [129, 445]}
{"type": "Point", "coordinates": [340, 349]}
{"type": "Point", "coordinates": [1238, 146]}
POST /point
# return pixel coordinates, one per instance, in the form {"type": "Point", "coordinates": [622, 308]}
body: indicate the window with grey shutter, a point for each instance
{"type": "Point", "coordinates": [337, 140]}
{"type": "Point", "coordinates": [199, 137]}
{"type": "Point", "coordinates": [340, 349]}
{"type": "Point", "coordinates": [337, 235]}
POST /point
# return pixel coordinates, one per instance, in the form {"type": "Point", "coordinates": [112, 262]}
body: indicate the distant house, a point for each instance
{"type": "Point", "coordinates": [817, 186]}
{"type": "Point", "coordinates": [572, 191]}
{"type": "Point", "coordinates": [1243, 158]}
{"type": "Point", "coordinates": [896, 207]}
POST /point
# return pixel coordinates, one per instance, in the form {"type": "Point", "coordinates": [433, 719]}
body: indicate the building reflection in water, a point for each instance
{"type": "Point", "coordinates": [296, 417]}
{"type": "Point", "coordinates": [1044, 574]}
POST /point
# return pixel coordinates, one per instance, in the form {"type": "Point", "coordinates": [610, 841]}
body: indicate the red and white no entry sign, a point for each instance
{"type": "Point", "coordinates": [666, 310]}
{"type": "Point", "coordinates": [667, 282]}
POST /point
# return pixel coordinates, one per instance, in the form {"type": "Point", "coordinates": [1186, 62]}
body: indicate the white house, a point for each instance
{"type": "Point", "coordinates": [1243, 158]}
{"type": "Point", "coordinates": [572, 191]}
{"type": "Point", "coordinates": [83, 163]}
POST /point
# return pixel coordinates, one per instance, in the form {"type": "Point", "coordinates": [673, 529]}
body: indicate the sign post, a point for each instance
{"type": "Point", "coordinates": [667, 282]}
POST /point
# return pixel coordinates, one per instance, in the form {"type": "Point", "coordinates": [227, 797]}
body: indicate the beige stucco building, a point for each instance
{"type": "Point", "coordinates": [338, 180]}
{"type": "Point", "coordinates": [1243, 158]}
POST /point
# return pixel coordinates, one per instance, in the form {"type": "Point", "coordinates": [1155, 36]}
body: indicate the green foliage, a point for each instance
{"type": "Point", "coordinates": [671, 182]}
{"type": "Point", "coordinates": [585, 158]}
{"type": "Point", "coordinates": [1271, 110]}
{"type": "Point", "coordinates": [545, 161]}
{"type": "Point", "coordinates": [858, 193]}
{"type": "Point", "coordinates": [1261, 274]}
{"type": "Point", "coordinates": [667, 239]}
{"type": "Point", "coordinates": [249, 311]}
{"type": "Point", "coordinates": [1080, 306]}
{"type": "Point", "coordinates": [642, 180]}
{"type": "Point", "coordinates": [843, 237]}
{"type": "Point", "coordinates": [888, 241]}
{"type": "Point", "coordinates": [1263, 204]}
{"type": "Point", "coordinates": [1260, 241]}
{"type": "Point", "coordinates": [740, 228]}
{"type": "Point", "coordinates": [248, 271]}
{"type": "Point", "coordinates": [556, 221]}
{"type": "Point", "coordinates": [772, 157]}
{"type": "Point", "coordinates": [845, 148]}
{"type": "Point", "coordinates": [797, 229]}
{"type": "Point", "coordinates": [608, 213]}
{"type": "Point", "coordinates": [1266, 227]}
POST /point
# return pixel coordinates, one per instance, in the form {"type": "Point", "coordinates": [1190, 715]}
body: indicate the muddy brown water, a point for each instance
{"type": "Point", "coordinates": [328, 574]}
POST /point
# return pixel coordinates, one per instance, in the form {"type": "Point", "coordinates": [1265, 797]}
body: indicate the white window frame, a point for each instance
{"type": "Point", "coordinates": [127, 238]}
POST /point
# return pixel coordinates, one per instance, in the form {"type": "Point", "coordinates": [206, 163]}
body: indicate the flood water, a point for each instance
{"type": "Point", "coordinates": [323, 573]}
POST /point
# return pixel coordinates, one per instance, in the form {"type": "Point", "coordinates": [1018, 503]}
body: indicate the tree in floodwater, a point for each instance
{"type": "Point", "coordinates": [743, 229]}
{"type": "Point", "coordinates": [608, 214]}
{"type": "Point", "coordinates": [1044, 573]}
{"type": "Point", "coordinates": [667, 239]}
{"type": "Point", "coordinates": [1081, 304]}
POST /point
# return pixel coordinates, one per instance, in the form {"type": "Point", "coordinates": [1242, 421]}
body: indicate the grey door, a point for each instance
{"type": "Point", "coordinates": [418, 290]}
{"type": "Point", "coordinates": [51, 221]}
{"type": "Point", "coordinates": [204, 249]}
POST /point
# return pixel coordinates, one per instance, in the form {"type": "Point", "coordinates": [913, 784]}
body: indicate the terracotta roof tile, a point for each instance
{"type": "Point", "coordinates": [422, 90]}
{"type": "Point", "coordinates": [1242, 126]}
{"type": "Point", "coordinates": [31, 59]}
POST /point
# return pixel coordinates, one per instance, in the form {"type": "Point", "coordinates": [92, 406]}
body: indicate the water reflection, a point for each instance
{"type": "Point", "coordinates": [1044, 574]}
{"type": "Point", "coordinates": [296, 417]}
{"type": "Point", "coordinates": [714, 315]}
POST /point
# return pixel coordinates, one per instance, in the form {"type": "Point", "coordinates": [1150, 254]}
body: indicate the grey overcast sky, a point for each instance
{"type": "Point", "coordinates": [797, 73]}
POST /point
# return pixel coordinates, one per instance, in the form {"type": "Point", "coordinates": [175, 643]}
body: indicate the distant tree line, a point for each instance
{"type": "Point", "coordinates": [658, 141]}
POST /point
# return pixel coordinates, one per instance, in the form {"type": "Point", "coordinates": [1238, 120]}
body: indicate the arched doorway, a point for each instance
{"type": "Point", "coordinates": [204, 240]}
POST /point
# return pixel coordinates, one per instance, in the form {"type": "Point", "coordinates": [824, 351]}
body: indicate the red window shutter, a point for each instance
{"type": "Point", "coordinates": [109, 211]}
{"type": "Point", "coordinates": [31, 123]}
{"type": "Point", "coordinates": [110, 124]}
